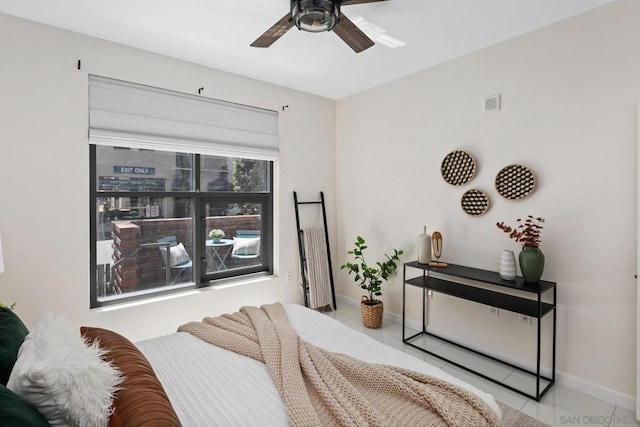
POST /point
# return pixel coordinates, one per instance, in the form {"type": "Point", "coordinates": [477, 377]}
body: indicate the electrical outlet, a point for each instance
{"type": "Point", "coordinates": [289, 276]}
{"type": "Point", "coordinates": [494, 311]}
{"type": "Point", "coordinates": [525, 320]}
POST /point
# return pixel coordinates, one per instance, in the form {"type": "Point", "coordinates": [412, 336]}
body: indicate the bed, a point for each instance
{"type": "Point", "coordinates": [244, 392]}
{"type": "Point", "coordinates": [209, 386]}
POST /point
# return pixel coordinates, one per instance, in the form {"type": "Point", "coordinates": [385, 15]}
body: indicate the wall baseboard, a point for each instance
{"type": "Point", "coordinates": [595, 390]}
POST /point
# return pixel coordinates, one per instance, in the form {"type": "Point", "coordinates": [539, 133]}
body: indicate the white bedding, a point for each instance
{"type": "Point", "coordinates": [210, 386]}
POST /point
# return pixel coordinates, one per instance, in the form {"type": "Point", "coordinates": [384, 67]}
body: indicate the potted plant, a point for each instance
{"type": "Point", "coordinates": [531, 258]}
{"type": "Point", "coordinates": [371, 279]}
{"type": "Point", "coordinates": [216, 234]}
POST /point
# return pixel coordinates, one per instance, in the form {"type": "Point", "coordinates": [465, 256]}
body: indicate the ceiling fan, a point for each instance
{"type": "Point", "coordinates": [317, 16]}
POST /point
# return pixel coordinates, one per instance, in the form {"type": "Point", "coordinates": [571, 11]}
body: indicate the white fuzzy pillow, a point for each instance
{"type": "Point", "coordinates": [63, 377]}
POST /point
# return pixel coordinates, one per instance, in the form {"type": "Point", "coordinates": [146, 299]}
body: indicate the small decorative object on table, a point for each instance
{"type": "Point", "coordinates": [424, 247]}
{"type": "Point", "coordinates": [531, 257]}
{"type": "Point", "coordinates": [436, 244]}
{"type": "Point", "coordinates": [507, 265]}
{"type": "Point", "coordinates": [216, 234]}
{"type": "Point", "coordinates": [370, 279]}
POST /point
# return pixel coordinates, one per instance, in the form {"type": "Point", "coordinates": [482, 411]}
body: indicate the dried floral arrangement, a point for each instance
{"type": "Point", "coordinates": [527, 232]}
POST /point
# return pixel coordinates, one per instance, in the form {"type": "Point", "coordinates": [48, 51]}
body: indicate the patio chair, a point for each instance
{"type": "Point", "coordinates": [176, 257]}
{"type": "Point", "coordinates": [246, 245]}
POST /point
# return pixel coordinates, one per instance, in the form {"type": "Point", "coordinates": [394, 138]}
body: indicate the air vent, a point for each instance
{"type": "Point", "coordinates": [492, 104]}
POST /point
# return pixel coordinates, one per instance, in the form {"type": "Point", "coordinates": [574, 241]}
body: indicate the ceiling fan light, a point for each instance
{"type": "Point", "coordinates": [315, 15]}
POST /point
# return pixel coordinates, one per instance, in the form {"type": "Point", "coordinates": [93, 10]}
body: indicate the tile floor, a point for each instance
{"type": "Point", "coordinates": [561, 406]}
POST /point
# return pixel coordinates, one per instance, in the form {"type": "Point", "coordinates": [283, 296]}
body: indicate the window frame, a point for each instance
{"type": "Point", "coordinates": [199, 199]}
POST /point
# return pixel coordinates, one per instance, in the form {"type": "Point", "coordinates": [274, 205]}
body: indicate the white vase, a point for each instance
{"type": "Point", "coordinates": [424, 247]}
{"type": "Point", "coordinates": [507, 265]}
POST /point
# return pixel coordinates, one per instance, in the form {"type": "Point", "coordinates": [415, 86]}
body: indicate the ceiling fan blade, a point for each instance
{"type": "Point", "coordinates": [275, 32]}
{"type": "Point", "coordinates": [350, 2]}
{"type": "Point", "coordinates": [352, 35]}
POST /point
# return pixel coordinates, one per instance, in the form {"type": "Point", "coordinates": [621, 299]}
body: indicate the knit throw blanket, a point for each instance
{"type": "Point", "coordinates": [321, 388]}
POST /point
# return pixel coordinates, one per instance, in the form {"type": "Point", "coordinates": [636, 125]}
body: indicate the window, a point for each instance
{"type": "Point", "coordinates": [173, 212]}
{"type": "Point", "coordinates": [147, 239]}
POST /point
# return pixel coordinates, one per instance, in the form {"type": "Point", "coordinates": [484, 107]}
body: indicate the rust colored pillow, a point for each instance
{"type": "Point", "coordinates": [142, 400]}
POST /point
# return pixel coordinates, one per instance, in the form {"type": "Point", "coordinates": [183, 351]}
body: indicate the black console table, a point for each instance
{"type": "Point", "coordinates": [495, 295]}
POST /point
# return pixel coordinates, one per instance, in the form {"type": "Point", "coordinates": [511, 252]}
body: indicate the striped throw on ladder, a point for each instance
{"type": "Point", "coordinates": [315, 248]}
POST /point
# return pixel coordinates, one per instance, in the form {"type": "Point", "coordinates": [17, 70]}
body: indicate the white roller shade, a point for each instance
{"type": "Point", "coordinates": [131, 115]}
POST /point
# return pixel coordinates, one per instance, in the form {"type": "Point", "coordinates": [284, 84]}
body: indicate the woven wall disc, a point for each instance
{"type": "Point", "coordinates": [515, 182]}
{"type": "Point", "coordinates": [475, 202]}
{"type": "Point", "coordinates": [458, 167]}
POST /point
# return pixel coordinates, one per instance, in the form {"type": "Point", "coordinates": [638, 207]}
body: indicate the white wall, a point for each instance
{"type": "Point", "coordinates": [569, 93]}
{"type": "Point", "coordinates": [44, 174]}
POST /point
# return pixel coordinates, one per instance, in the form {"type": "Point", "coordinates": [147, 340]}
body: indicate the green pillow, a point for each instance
{"type": "Point", "coordinates": [12, 334]}
{"type": "Point", "coordinates": [15, 412]}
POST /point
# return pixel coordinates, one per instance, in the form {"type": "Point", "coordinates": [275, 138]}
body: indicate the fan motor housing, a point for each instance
{"type": "Point", "coordinates": [315, 15]}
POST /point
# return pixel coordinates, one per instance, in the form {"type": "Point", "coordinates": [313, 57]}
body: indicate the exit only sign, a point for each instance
{"type": "Point", "coordinates": [136, 170]}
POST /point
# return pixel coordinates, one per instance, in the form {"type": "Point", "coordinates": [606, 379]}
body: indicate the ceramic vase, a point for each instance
{"type": "Point", "coordinates": [424, 247]}
{"type": "Point", "coordinates": [507, 265]}
{"type": "Point", "coordinates": [531, 264]}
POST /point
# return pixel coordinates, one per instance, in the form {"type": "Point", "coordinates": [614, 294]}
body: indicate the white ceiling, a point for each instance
{"type": "Point", "coordinates": [217, 33]}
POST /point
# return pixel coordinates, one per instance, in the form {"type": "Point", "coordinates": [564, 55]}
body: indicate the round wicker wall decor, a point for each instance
{"type": "Point", "coordinates": [475, 202]}
{"type": "Point", "coordinates": [515, 182]}
{"type": "Point", "coordinates": [458, 167]}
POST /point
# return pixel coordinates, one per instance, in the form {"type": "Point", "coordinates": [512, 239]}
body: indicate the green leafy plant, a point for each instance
{"type": "Point", "coordinates": [527, 232]}
{"type": "Point", "coordinates": [371, 278]}
{"type": "Point", "coordinates": [216, 233]}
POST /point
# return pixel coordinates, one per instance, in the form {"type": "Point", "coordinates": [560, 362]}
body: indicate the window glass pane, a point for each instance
{"type": "Point", "coordinates": [137, 239]}
{"type": "Point", "coordinates": [143, 239]}
{"type": "Point", "coordinates": [233, 174]}
{"type": "Point", "coordinates": [233, 236]}
{"type": "Point", "coordinates": [124, 169]}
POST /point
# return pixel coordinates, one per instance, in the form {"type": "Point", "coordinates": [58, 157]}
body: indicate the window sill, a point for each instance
{"type": "Point", "coordinates": [237, 281]}
{"type": "Point", "coordinates": [220, 284]}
